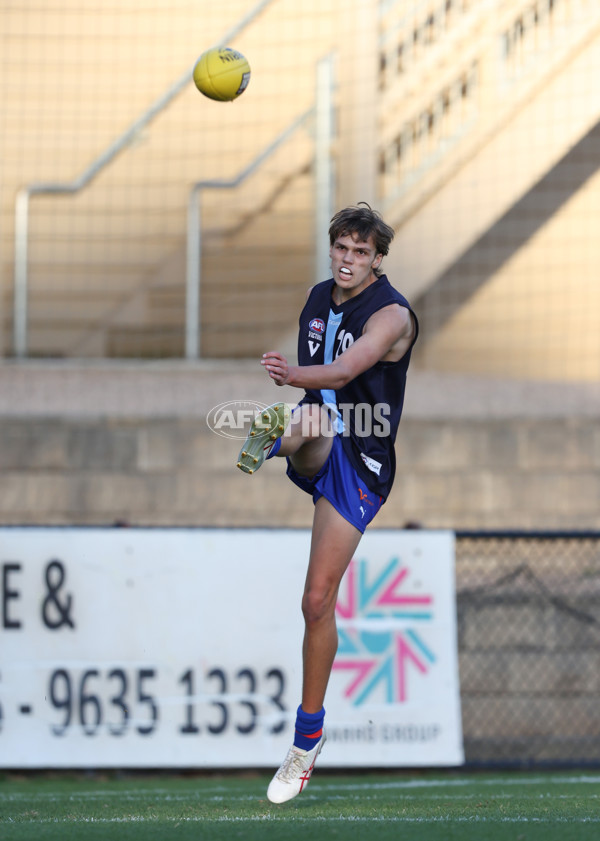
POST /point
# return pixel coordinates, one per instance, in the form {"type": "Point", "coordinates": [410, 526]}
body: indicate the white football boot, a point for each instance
{"type": "Point", "coordinates": [294, 774]}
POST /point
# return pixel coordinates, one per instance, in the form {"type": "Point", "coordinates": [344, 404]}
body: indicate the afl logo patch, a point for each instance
{"type": "Point", "coordinates": [317, 324]}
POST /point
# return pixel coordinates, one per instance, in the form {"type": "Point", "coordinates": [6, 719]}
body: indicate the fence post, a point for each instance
{"type": "Point", "coordinates": [324, 170]}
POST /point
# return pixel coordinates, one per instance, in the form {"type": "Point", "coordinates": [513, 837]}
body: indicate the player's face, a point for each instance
{"type": "Point", "coordinates": [352, 263]}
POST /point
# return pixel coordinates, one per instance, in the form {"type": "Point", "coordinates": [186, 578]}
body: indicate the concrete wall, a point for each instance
{"type": "Point", "coordinates": [508, 473]}
{"type": "Point", "coordinates": [98, 443]}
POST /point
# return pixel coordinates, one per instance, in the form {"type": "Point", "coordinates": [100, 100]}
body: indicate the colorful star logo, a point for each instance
{"type": "Point", "coordinates": [378, 643]}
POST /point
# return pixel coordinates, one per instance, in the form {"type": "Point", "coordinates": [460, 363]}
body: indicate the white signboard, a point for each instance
{"type": "Point", "coordinates": [182, 648]}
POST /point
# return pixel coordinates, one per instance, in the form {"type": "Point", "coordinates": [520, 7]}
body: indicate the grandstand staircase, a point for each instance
{"type": "Point", "coordinates": [490, 179]}
{"type": "Point", "coordinates": [498, 88]}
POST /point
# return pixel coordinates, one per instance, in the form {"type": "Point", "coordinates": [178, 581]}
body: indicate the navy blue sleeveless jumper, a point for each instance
{"type": "Point", "coordinates": [367, 410]}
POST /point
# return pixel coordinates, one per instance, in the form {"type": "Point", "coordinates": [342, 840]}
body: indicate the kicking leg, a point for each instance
{"type": "Point", "coordinates": [304, 435]}
{"type": "Point", "coordinates": [308, 439]}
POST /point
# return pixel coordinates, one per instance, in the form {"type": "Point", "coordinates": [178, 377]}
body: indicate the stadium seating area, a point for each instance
{"type": "Point", "coordinates": [461, 121]}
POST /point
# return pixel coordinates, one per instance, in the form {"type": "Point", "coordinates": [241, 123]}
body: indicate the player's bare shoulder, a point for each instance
{"type": "Point", "coordinates": [398, 324]}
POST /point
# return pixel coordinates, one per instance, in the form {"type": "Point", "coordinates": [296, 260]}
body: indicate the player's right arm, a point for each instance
{"type": "Point", "coordinates": [388, 335]}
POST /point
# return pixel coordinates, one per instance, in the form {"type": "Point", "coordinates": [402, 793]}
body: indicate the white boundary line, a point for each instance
{"type": "Point", "coordinates": [287, 819]}
{"type": "Point", "coordinates": [222, 791]}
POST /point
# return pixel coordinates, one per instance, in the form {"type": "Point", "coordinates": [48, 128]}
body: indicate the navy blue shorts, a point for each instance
{"type": "Point", "coordinates": [341, 485]}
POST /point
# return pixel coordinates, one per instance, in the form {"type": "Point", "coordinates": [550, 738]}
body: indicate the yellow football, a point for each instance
{"type": "Point", "coordinates": [222, 74]}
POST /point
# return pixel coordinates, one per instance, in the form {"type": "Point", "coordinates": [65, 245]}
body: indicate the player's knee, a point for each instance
{"type": "Point", "coordinates": [314, 422]}
{"type": "Point", "coordinates": [317, 604]}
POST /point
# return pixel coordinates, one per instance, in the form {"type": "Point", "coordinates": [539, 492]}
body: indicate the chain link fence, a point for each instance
{"type": "Point", "coordinates": [529, 645]}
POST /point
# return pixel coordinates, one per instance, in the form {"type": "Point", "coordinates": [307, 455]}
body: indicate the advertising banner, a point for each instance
{"type": "Point", "coordinates": [181, 648]}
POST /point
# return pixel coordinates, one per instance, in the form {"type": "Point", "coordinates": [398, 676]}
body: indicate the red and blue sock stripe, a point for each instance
{"type": "Point", "coordinates": [309, 728]}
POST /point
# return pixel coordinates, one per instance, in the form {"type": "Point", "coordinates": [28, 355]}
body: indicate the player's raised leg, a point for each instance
{"type": "Point", "coordinates": [303, 434]}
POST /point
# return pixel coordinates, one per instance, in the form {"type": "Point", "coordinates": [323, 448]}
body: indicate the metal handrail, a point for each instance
{"type": "Point", "coordinates": [194, 234]}
{"type": "Point", "coordinates": [24, 194]}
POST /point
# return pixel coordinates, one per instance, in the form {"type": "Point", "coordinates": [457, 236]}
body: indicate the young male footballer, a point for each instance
{"type": "Point", "coordinates": [354, 346]}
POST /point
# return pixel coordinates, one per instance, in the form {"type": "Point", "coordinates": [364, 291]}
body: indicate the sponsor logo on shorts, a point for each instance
{"type": "Point", "coordinates": [374, 466]}
{"type": "Point", "coordinates": [364, 497]}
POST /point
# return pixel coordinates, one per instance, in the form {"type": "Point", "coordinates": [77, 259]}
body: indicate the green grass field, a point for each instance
{"type": "Point", "coordinates": [418, 806]}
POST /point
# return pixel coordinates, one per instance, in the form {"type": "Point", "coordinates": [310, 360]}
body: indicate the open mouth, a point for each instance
{"type": "Point", "coordinates": [345, 272]}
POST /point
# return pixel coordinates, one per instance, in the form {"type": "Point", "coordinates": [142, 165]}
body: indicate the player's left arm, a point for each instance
{"type": "Point", "coordinates": [387, 336]}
